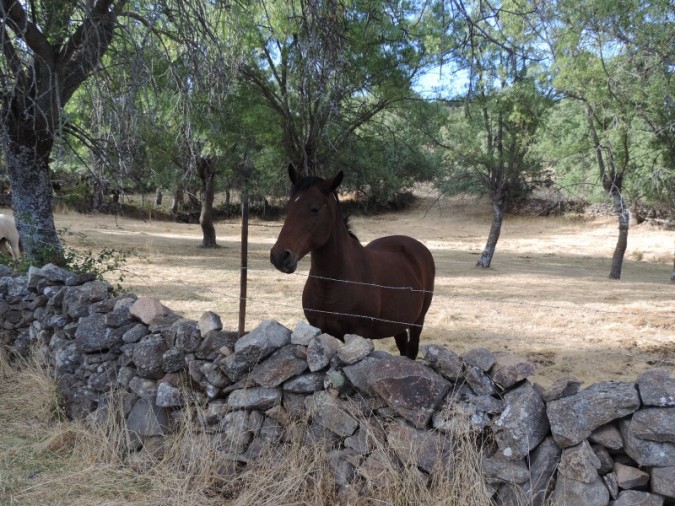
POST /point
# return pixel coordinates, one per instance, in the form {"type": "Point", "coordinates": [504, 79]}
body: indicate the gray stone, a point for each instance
{"type": "Point", "coordinates": [427, 450]}
{"type": "Point", "coordinates": [213, 342]}
{"type": "Point", "coordinates": [523, 424]}
{"type": "Point", "coordinates": [261, 398]}
{"type": "Point", "coordinates": [214, 375]}
{"type": "Point", "coordinates": [305, 383]}
{"type": "Point", "coordinates": [254, 347]}
{"type": "Point", "coordinates": [143, 387]}
{"type": "Point", "coordinates": [146, 419]}
{"type": "Point", "coordinates": [629, 477]}
{"type": "Point", "coordinates": [343, 471]}
{"type": "Point", "coordinates": [135, 333]}
{"type": "Point", "coordinates": [409, 388]}
{"type": "Point", "coordinates": [147, 309]}
{"type": "Point", "coordinates": [459, 418]}
{"type": "Point", "coordinates": [105, 377]}
{"type": "Point", "coordinates": [321, 350]}
{"type": "Point", "coordinates": [543, 463]}
{"type": "Point", "coordinates": [645, 452]}
{"type": "Point", "coordinates": [657, 388]}
{"type": "Point", "coordinates": [336, 383]}
{"type": "Point", "coordinates": [304, 333]}
{"type": "Point", "coordinates": [92, 335]}
{"type": "Point", "coordinates": [509, 369]}
{"type": "Point", "coordinates": [443, 361]}
{"type": "Point", "coordinates": [573, 418]}
{"type": "Point", "coordinates": [579, 463]}
{"type": "Point", "coordinates": [282, 365]}
{"type": "Point", "coordinates": [236, 431]}
{"type": "Point", "coordinates": [318, 435]}
{"type": "Point", "coordinates": [634, 498]}
{"type": "Point", "coordinates": [480, 357]}
{"type": "Point", "coordinates": [663, 481]}
{"type": "Point", "coordinates": [168, 396]}
{"type": "Point", "coordinates": [368, 437]}
{"type": "Point", "coordinates": [608, 436]}
{"type": "Point", "coordinates": [147, 356]}
{"type": "Point", "coordinates": [118, 317]}
{"type": "Point", "coordinates": [606, 460]}
{"type": "Point", "coordinates": [209, 321]}
{"type": "Point", "coordinates": [51, 272]}
{"type": "Point", "coordinates": [294, 404]}
{"type": "Point", "coordinates": [330, 414]}
{"type": "Point", "coordinates": [497, 468]}
{"type": "Point", "coordinates": [354, 349]}
{"type": "Point", "coordinates": [379, 469]}
{"type": "Point", "coordinates": [612, 484]}
{"type": "Point", "coordinates": [359, 374]}
{"type": "Point", "coordinates": [479, 381]}
{"type": "Point", "coordinates": [571, 492]}
{"type": "Point", "coordinates": [655, 424]}
{"type": "Point", "coordinates": [173, 360]}
{"type": "Point", "coordinates": [562, 387]}
{"type": "Point", "coordinates": [184, 335]}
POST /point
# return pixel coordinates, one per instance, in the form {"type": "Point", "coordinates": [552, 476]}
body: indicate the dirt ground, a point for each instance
{"type": "Point", "coordinates": [547, 296]}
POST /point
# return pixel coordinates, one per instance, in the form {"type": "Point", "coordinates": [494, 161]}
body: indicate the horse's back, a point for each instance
{"type": "Point", "coordinates": [403, 249]}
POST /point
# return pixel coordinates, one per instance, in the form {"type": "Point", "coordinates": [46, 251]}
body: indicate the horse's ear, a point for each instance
{"type": "Point", "coordinates": [292, 173]}
{"type": "Point", "coordinates": [330, 185]}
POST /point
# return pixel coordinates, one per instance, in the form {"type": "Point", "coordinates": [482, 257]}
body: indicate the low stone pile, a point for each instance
{"type": "Point", "coordinates": [610, 443]}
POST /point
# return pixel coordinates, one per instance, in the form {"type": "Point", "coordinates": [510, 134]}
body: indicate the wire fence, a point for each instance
{"type": "Point", "coordinates": [439, 296]}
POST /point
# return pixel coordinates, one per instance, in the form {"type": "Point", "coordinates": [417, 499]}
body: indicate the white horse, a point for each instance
{"type": "Point", "coordinates": [9, 236]}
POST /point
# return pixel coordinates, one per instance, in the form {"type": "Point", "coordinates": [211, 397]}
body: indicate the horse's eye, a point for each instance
{"type": "Point", "coordinates": [314, 210]}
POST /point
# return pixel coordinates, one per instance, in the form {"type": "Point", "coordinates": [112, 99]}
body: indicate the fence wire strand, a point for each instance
{"type": "Point", "coordinates": [437, 296]}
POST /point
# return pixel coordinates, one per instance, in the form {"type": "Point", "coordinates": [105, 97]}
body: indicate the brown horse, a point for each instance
{"type": "Point", "coordinates": [380, 290]}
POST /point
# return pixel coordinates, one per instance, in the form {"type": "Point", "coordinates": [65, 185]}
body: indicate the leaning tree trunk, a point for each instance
{"type": "Point", "coordinates": [495, 229]}
{"type": "Point", "coordinates": [207, 174]}
{"type": "Point", "coordinates": [622, 242]}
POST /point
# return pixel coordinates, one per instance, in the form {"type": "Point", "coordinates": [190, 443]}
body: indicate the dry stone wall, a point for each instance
{"type": "Point", "coordinates": [610, 443]}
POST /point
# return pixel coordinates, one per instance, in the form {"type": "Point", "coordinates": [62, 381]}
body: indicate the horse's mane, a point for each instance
{"type": "Point", "coordinates": [306, 182]}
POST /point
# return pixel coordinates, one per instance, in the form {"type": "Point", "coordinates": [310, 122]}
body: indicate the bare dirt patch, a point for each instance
{"type": "Point", "coordinates": [547, 297]}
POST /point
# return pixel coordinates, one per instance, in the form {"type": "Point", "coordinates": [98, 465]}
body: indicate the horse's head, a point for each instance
{"type": "Point", "coordinates": [310, 216]}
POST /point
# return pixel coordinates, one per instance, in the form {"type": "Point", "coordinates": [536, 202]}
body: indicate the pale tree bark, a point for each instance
{"type": "Point", "coordinates": [612, 180]}
{"type": "Point", "coordinates": [495, 230]}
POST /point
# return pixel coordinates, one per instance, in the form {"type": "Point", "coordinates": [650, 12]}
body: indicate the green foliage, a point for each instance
{"type": "Point", "coordinates": [102, 263]}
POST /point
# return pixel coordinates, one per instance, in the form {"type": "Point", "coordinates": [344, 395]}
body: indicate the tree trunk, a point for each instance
{"type": "Point", "coordinates": [177, 200]}
{"type": "Point", "coordinates": [497, 218]}
{"type": "Point", "coordinates": [622, 242]}
{"type": "Point", "coordinates": [28, 168]}
{"type": "Point", "coordinates": [207, 174]}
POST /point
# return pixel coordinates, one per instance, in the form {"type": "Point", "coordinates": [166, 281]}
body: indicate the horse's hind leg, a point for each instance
{"type": "Point", "coordinates": [402, 343]}
{"type": "Point", "coordinates": [414, 341]}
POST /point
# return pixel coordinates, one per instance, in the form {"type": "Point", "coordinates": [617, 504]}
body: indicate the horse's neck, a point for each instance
{"type": "Point", "coordinates": [338, 257]}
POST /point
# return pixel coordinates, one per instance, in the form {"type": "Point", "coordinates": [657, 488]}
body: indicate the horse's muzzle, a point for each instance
{"type": "Point", "coordinates": [285, 261]}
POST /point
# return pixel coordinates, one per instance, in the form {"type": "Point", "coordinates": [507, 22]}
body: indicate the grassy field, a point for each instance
{"type": "Point", "coordinates": [547, 297]}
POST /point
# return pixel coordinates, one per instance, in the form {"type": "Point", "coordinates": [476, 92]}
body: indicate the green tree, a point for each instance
{"type": "Point", "coordinates": [48, 51]}
{"type": "Point", "coordinates": [615, 60]}
{"type": "Point", "coordinates": [490, 145]}
{"type": "Point", "coordinates": [327, 68]}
